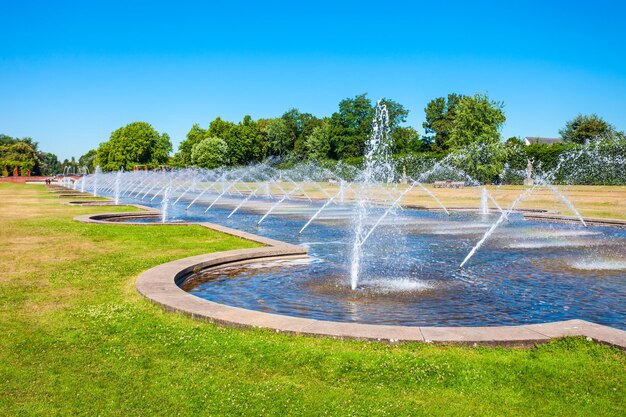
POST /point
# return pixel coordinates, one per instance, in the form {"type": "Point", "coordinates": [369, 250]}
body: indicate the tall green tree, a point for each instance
{"type": "Point", "coordinates": [19, 154]}
{"type": "Point", "coordinates": [299, 125]}
{"type": "Point", "coordinates": [586, 127]}
{"type": "Point", "coordinates": [7, 140]}
{"type": "Point", "coordinates": [49, 164]}
{"type": "Point", "coordinates": [352, 126]}
{"type": "Point", "coordinates": [482, 161]}
{"type": "Point", "coordinates": [210, 153]}
{"type": "Point", "coordinates": [220, 128]}
{"type": "Point", "coordinates": [477, 119]}
{"type": "Point", "coordinates": [137, 143]}
{"type": "Point", "coordinates": [397, 112]}
{"type": "Point", "coordinates": [245, 142]}
{"type": "Point", "coordinates": [88, 160]}
{"type": "Point", "coordinates": [406, 139]}
{"type": "Point", "coordinates": [441, 120]}
{"type": "Point", "coordinates": [280, 138]}
{"type": "Point", "coordinates": [318, 143]}
{"type": "Point", "coordinates": [195, 135]}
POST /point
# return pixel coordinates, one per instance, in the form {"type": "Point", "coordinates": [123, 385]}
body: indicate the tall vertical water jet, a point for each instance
{"type": "Point", "coordinates": [96, 175]}
{"type": "Point", "coordinates": [165, 203]}
{"type": "Point", "coordinates": [484, 200]}
{"type": "Point", "coordinates": [342, 191]}
{"type": "Point", "coordinates": [116, 190]}
{"type": "Point", "coordinates": [378, 168]}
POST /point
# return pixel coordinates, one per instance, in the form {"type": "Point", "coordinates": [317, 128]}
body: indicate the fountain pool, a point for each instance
{"type": "Point", "coordinates": [373, 259]}
{"type": "Point", "coordinates": [528, 271]}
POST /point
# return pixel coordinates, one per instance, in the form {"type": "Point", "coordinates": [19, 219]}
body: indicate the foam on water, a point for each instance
{"type": "Point", "coordinates": [550, 244]}
{"type": "Point", "coordinates": [308, 244]}
{"type": "Point", "coordinates": [598, 264]}
{"type": "Point", "coordinates": [460, 231]}
{"type": "Point", "coordinates": [282, 262]}
{"type": "Point", "coordinates": [397, 285]}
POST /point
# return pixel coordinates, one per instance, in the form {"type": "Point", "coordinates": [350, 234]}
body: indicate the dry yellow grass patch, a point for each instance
{"type": "Point", "coordinates": [590, 201]}
{"type": "Point", "coordinates": [33, 246]}
{"type": "Point", "coordinates": [39, 252]}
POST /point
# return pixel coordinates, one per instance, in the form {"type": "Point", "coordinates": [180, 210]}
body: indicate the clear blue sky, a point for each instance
{"type": "Point", "coordinates": [72, 72]}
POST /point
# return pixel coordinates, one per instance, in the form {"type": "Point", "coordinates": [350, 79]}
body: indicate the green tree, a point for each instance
{"type": "Point", "coordinates": [406, 139]}
{"type": "Point", "coordinates": [137, 143]}
{"type": "Point", "coordinates": [220, 128]}
{"type": "Point", "coordinates": [280, 138]}
{"type": "Point", "coordinates": [397, 112]}
{"type": "Point", "coordinates": [88, 160]}
{"type": "Point", "coordinates": [514, 141]}
{"type": "Point", "coordinates": [69, 166]}
{"type": "Point", "coordinates": [299, 125]}
{"type": "Point", "coordinates": [19, 154]}
{"type": "Point", "coordinates": [210, 153]}
{"type": "Point", "coordinates": [49, 164]}
{"type": "Point", "coordinates": [476, 120]}
{"type": "Point", "coordinates": [194, 136]}
{"type": "Point", "coordinates": [351, 126]}
{"type": "Point", "coordinates": [30, 158]}
{"type": "Point", "coordinates": [441, 120]}
{"type": "Point", "coordinates": [318, 143]}
{"type": "Point", "coordinates": [7, 140]}
{"type": "Point", "coordinates": [245, 142]}
{"type": "Point", "coordinates": [586, 127]}
{"type": "Point", "coordinates": [482, 161]}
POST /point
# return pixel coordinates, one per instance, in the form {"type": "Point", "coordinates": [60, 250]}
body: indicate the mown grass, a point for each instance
{"type": "Point", "coordinates": [78, 340]}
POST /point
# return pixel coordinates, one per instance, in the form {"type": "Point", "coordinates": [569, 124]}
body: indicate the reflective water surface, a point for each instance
{"type": "Point", "coordinates": [529, 272]}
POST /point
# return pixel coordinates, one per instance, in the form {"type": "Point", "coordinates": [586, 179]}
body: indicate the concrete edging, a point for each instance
{"type": "Point", "coordinates": [161, 285]}
{"type": "Point", "coordinates": [557, 218]}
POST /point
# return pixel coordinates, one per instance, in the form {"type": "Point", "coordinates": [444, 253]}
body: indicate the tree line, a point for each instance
{"type": "Point", "coordinates": [452, 124]}
{"type": "Point", "coordinates": [22, 157]}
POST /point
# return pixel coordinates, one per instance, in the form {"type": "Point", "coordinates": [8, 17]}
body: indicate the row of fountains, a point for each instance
{"type": "Point", "coordinates": [375, 187]}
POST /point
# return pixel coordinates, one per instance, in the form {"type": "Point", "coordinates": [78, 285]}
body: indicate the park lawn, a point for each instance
{"type": "Point", "coordinates": [78, 340]}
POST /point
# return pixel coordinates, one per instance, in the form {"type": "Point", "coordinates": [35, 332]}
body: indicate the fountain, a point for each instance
{"type": "Point", "coordinates": [378, 168]}
{"type": "Point", "coordinates": [165, 203]}
{"type": "Point", "coordinates": [376, 259]}
{"type": "Point", "coordinates": [116, 193]}
{"type": "Point", "coordinates": [484, 202]}
{"type": "Point", "coordinates": [96, 176]}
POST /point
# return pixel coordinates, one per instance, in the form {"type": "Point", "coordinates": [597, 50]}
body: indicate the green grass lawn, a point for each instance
{"type": "Point", "coordinates": [76, 339]}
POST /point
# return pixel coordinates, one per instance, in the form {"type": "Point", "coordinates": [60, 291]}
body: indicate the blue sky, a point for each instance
{"type": "Point", "coordinates": [73, 71]}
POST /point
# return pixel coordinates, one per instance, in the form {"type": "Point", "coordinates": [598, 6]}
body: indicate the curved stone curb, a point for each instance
{"type": "Point", "coordinates": [161, 285]}
{"type": "Point", "coordinates": [148, 211]}
{"type": "Point", "coordinates": [103, 218]}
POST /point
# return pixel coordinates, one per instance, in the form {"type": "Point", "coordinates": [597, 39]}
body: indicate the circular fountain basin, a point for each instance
{"type": "Point", "coordinates": [528, 272]}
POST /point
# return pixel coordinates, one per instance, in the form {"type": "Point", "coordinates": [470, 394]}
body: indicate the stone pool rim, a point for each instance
{"type": "Point", "coordinates": [161, 285]}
